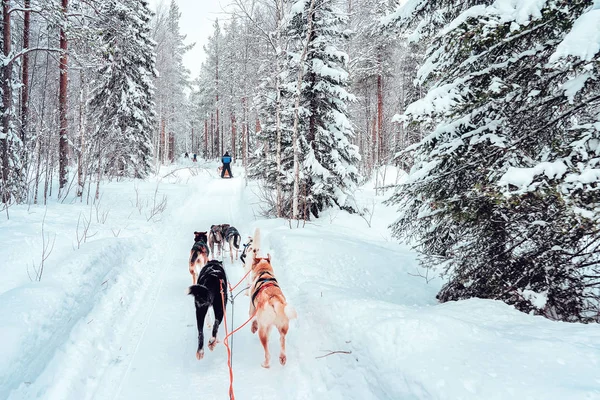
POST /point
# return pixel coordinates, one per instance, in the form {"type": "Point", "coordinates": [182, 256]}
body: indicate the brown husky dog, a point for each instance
{"type": "Point", "coordinates": [270, 305]}
{"type": "Point", "coordinates": [198, 255]}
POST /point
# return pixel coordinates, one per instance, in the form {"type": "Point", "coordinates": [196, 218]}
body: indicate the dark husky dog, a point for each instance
{"type": "Point", "coordinates": [198, 255]}
{"type": "Point", "coordinates": [232, 236]}
{"type": "Point", "coordinates": [207, 293]}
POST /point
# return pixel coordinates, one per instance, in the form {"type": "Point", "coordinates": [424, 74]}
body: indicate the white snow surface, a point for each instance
{"type": "Point", "coordinates": [523, 177]}
{"type": "Point", "coordinates": [110, 320]}
{"type": "Point", "coordinates": [583, 40]}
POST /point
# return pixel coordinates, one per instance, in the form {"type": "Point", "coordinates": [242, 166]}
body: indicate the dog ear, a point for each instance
{"type": "Point", "coordinates": [268, 257]}
{"type": "Point", "coordinates": [195, 233]}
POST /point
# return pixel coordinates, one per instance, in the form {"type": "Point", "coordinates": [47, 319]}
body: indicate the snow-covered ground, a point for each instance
{"type": "Point", "coordinates": [110, 320]}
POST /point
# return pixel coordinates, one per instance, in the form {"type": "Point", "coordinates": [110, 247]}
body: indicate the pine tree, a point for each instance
{"type": "Point", "coordinates": [503, 193]}
{"type": "Point", "coordinates": [12, 185]}
{"type": "Point", "coordinates": [123, 98]}
{"type": "Point", "coordinates": [329, 160]}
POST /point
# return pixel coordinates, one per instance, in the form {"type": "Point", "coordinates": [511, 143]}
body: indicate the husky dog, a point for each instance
{"type": "Point", "coordinates": [215, 236]}
{"type": "Point", "coordinates": [233, 238]}
{"type": "Point", "coordinates": [198, 255]}
{"type": "Point", "coordinates": [270, 306]}
{"type": "Point", "coordinates": [207, 293]}
{"type": "Point", "coordinates": [248, 255]}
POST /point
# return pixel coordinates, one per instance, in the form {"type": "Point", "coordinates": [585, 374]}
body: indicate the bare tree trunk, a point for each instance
{"type": "Point", "coordinates": [212, 135]}
{"type": "Point", "coordinates": [296, 193]}
{"type": "Point", "coordinates": [161, 144]}
{"type": "Point", "coordinates": [205, 137]}
{"type": "Point", "coordinates": [279, 204]}
{"type": "Point", "coordinates": [374, 143]}
{"type": "Point", "coordinates": [217, 103]}
{"type": "Point", "coordinates": [62, 104]}
{"type": "Point", "coordinates": [379, 112]}
{"type": "Point", "coordinates": [41, 131]}
{"type": "Point", "coordinates": [25, 72]}
{"type": "Point", "coordinates": [233, 143]}
{"type": "Point", "coordinates": [6, 101]}
{"type": "Point", "coordinates": [82, 125]}
{"type": "Point", "coordinates": [244, 129]}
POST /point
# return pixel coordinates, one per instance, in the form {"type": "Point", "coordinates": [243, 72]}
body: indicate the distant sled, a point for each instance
{"type": "Point", "coordinates": [226, 176]}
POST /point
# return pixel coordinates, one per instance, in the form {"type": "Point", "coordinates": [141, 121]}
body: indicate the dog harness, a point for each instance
{"type": "Point", "coordinates": [243, 256]}
{"type": "Point", "coordinates": [263, 283]}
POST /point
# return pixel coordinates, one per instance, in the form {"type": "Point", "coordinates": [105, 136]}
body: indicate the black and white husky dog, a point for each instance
{"type": "Point", "coordinates": [207, 293]}
{"type": "Point", "coordinates": [232, 236]}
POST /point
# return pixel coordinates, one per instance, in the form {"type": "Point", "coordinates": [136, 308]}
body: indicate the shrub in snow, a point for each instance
{"type": "Point", "coordinates": [503, 196]}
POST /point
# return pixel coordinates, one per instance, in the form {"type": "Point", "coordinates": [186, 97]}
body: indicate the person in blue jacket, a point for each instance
{"type": "Point", "coordinates": [226, 160]}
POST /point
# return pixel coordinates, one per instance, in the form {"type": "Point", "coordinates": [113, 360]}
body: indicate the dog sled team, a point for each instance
{"type": "Point", "coordinates": [268, 305]}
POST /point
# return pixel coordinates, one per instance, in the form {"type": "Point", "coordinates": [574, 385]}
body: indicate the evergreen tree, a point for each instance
{"type": "Point", "coordinates": [123, 99]}
{"type": "Point", "coordinates": [503, 193]}
{"type": "Point", "coordinates": [329, 160]}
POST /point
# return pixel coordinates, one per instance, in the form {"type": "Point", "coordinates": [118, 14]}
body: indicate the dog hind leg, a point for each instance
{"type": "Point", "coordinates": [200, 314]}
{"type": "Point", "coordinates": [218, 310]}
{"type": "Point", "coordinates": [282, 332]}
{"type": "Point", "coordinates": [211, 318]}
{"type": "Point", "coordinates": [263, 334]}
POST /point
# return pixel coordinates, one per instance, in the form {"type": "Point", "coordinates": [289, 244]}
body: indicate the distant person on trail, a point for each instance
{"type": "Point", "coordinates": [187, 155]}
{"type": "Point", "coordinates": [226, 160]}
{"type": "Point", "coordinates": [195, 157]}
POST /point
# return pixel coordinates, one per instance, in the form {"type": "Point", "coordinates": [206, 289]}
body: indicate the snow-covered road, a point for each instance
{"type": "Point", "coordinates": [111, 320]}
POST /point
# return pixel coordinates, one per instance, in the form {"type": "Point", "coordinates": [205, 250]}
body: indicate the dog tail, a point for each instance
{"type": "Point", "coordinates": [194, 290]}
{"type": "Point", "coordinates": [199, 292]}
{"type": "Point", "coordinates": [290, 312]}
{"type": "Point", "coordinates": [256, 241]}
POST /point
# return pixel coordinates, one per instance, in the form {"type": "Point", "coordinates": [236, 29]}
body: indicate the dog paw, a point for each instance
{"type": "Point", "coordinates": [212, 343]}
{"type": "Point", "coordinates": [200, 354]}
{"type": "Point", "coordinates": [254, 326]}
{"type": "Point", "coordinates": [265, 365]}
{"type": "Point", "coordinates": [282, 359]}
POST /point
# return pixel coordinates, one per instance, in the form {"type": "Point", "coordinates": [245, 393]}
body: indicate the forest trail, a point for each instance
{"type": "Point", "coordinates": [130, 333]}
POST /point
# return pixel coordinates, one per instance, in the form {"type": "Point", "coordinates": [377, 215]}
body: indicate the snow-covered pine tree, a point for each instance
{"type": "Point", "coordinates": [263, 160]}
{"type": "Point", "coordinates": [12, 184]}
{"type": "Point", "coordinates": [272, 159]}
{"type": "Point", "coordinates": [503, 195]}
{"type": "Point", "coordinates": [329, 160]}
{"type": "Point", "coordinates": [123, 97]}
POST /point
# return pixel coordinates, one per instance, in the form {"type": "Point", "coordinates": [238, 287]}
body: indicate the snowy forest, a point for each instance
{"type": "Point", "coordinates": [490, 107]}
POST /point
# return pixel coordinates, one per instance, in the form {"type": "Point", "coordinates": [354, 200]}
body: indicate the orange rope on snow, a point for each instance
{"type": "Point", "coordinates": [225, 342]}
{"type": "Point", "coordinates": [227, 335]}
{"type": "Point", "coordinates": [231, 289]}
{"type": "Point", "coordinates": [241, 326]}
